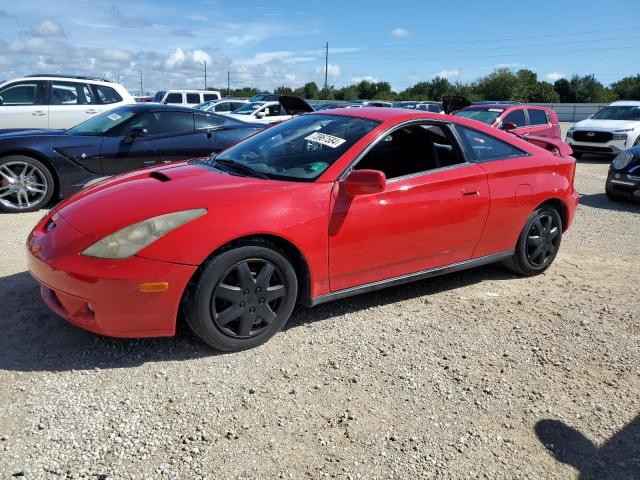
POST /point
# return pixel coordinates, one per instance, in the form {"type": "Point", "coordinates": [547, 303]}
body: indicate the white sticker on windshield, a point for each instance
{"type": "Point", "coordinates": [496, 110]}
{"type": "Point", "coordinates": [114, 116]}
{"type": "Point", "coordinates": [324, 139]}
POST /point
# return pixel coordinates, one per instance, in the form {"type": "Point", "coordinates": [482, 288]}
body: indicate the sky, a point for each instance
{"type": "Point", "coordinates": [281, 42]}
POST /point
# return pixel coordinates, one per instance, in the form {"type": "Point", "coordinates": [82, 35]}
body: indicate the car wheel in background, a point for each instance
{"type": "Point", "coordinates": [242, 297]}
{"type": "Point", "coordinates": [577, 155]}
{"type": "Point", "coordinates": [538, 243]}
{"type": "Point", "coordinates": [614, 197]}
{"type": "Point", "coordinates": [26, 184]}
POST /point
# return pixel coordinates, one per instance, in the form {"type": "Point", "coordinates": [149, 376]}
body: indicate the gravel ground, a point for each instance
{"type": "Point", "coordinates": [479, 374]}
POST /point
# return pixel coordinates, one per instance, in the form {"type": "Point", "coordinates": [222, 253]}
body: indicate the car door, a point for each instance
{"type": "Point", "coordinates": [70, 103]}
{"type": "Point", "coordinates": [24, 105]}
{"type": "Point", "coordinates": [431, 212]}
{"type": "Point", "coordinates": [162, 137]}
{"type": "Point", "coordinates": [539, 123]}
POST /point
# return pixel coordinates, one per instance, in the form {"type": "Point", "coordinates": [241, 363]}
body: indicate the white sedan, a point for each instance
{"type": "Point", "coordinates": [271, 112]}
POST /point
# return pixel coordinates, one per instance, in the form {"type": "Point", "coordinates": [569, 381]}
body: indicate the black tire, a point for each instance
{"type": "Point", "coordinates": [538, 243]}
{"type": "Point", "coordinates": [614, 197]}
{"type": "Point", "coordinates": [224, 300]}
{"type": "Point", "coordinates": [577, 155]}
{"type": "Point", "coordinates": [26, 184]}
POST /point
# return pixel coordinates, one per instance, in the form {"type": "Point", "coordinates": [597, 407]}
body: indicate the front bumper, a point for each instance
{"type": "Point", "coordinates": [102, 295]}
{"type": "Point", "coordinates": [612, 147]}
{"type": "Point", "coordinates": [623, 184]}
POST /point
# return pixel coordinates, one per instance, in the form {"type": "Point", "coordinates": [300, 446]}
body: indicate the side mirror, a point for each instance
{"type": "Point", "coordinates": [261, 115]}
{"type": "Point", "coordinates": [135, 133]}
{"type": "Point", "coordinates": [362, 182]}
{"type": "Point", "coordinates": [507, 126]}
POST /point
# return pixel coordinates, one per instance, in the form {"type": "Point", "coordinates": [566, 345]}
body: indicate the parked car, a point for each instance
{"type": "Point", "coordinates": [264, 97]}
{"type": "Point", "coordinates": [623, 181]}
{"type": "Point", "coordinates": [519, 118]}
{"type": "Point", "coordinates": [143, 98]}
{"type": "Point", "coordinates": [221, 106]}
{"type": "Point", "coordinates": [271, 112]}
{"type": "Point", "coordinates": [325, 106]}
{"type": "Point", "coordinates": [369, 103]}
{"type": "Point", "coordinates": [317, 208]}
{"type": "Point", "coordinates": [405, 104]}
{"type": "Point", "coordinates": [187, 98]}
{"type": "Point", "coordinates": [57, 101]}
{"type": "Point", "coordinates": [35, 165]}
{"type": "Point", "coordinates": [435, 107]}
{"type": "Point", "coordinates": [608, 132]}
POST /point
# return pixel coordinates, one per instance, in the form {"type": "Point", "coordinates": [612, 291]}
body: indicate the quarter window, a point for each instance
{"type": "Point", "coordinates": [223, 107]}
{"type": "Point", "coordinates": [537, 117]}
{"type": "Point", "coordinates": [210, 96]}
{"type": "Point", "coordinates": [193, 98]}
{"type": "Point", "coordinates": [412, 149]}
{"type": "Point", "coordinates": [24, 93]}
{"type": "Point", "coordinates": [516, 117]}
{"type": "Point", "coordinates": [484, 148]}
{"type": "Point", "coordinates": [107, 94]}
{"type": "Point", "coordinates": [70, 93]}
{"type": "Point", "coordinates": [208, 121]}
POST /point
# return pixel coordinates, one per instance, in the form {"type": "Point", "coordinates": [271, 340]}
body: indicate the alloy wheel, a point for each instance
{"type": "Point", "coordinates": [22, 185]}
{"type": "Point", "coordinates": [543, 240]}
{"type": "Point", "coordinates": [248, 298]}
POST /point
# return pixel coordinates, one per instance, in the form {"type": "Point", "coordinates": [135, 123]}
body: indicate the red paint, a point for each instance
{"type": "Point", "coordinates": [416, 223]}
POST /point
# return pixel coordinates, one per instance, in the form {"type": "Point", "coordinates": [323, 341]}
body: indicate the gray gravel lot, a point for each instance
{"type": "Point", "coordinates": [479, 374]}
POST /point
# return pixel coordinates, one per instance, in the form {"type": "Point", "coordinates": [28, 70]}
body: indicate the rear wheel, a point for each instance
{"type": "Point", "coordinates": [242, 298]}
{"type": "Point", "coordinates": [26, 184]}
{"type": "Point", "coordinates": [538, 243]}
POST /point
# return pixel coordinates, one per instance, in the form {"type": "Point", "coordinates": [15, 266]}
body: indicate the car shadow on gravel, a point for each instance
{"type": "Point", "coordinates": [398, 293]}
{"type": "Point", "coordinates": [617, 459]}
{"type": "Point", "coordinates": [600, 200]}
{"type": "Point", "coordinates": [34, 339]}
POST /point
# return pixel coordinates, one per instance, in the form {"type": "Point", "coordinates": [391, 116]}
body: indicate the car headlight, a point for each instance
{"type": "Point", "coordinates": [622, 160]}
{"type": "Point", "coordinates": [621, 134]}
{"type": "Point", "coordinates": [570, 132]}
{"type": "Point", "coordinates": [130, 240]}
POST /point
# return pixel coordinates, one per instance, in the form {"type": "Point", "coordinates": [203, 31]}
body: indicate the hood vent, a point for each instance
{"type": "Point", "coordinates": [160, 176]}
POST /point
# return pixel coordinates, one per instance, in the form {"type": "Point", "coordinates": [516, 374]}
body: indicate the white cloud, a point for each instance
{"type": "Point", "coordinates": [553, 76]}
{"type": "Point", "coordinates": [127, 21]}
{"type": "Point", "coordinates": [47, 28]}
{"type": "Point", "coordinates": [186, 60]}
{"type": "Point", "coordinates": [447, 74]}
{"type": "Point", "coordinates": [367, 78]}
{"type": "Point", "coordinates": [400, 32]}
{"type": "Point", "coordinates": [333, 70]}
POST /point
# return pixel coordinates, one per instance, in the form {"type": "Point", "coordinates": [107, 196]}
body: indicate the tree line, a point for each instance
{"type": "Point", "coordinates": [502, 85]}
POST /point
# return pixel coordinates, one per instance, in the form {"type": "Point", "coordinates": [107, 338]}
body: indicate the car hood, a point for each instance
{"type": "Point", "coordinates": [294, 105]}
{"type": "Point", "coordinates": [608, 125]}
{"type": "Point", "coordinates": [453, 103]}
{"type": "Point", "coordinates": [120, 201]}
{"type": "Point", "coordinates": [29, 132]}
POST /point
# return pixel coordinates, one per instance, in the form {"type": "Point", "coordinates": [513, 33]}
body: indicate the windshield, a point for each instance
{"type": "Point", "coordinates": [618, 112]}
{"type": "Point", "coordinates": [486, 115]}
{"type": "Point", "coordinates": [249, 108]}
{"type": "Point", "coordinates": [158, 96]}
{"type": "Point", "coordinates": [204, 105]}
{"type": "Point", "coordinates": [299, 149]}
{"type": "Point", "coordinates": [103, 123]}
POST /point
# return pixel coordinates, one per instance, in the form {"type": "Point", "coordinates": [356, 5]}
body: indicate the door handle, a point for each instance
{"type": "Point", "coordinates": [38, 113]}
{"type": "Point", "coordinates": [91, 111]}
{"type": "Point", "coordinates": [470, 192]}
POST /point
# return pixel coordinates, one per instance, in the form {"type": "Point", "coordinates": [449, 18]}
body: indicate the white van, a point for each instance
{"type": "Point", "coordinates": [187, 98]}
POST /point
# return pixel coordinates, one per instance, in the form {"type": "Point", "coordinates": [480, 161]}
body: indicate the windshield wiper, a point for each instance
{"type": "Point", "coordinates": [242, 167]}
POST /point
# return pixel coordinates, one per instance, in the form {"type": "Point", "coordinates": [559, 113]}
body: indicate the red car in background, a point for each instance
{"type": "Point", "coordinates": [313, 209]}
{"type": "Point", "coordinates": [519, 118]}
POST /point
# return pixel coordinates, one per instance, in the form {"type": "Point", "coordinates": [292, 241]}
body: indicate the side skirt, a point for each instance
{"type": "Point", "coordinates": [411, 277]}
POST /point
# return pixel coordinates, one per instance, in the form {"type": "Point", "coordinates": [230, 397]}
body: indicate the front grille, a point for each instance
{"type": "Point", "coordinates": [589, 148]}
{"type": "Point", "coordinates": [592, 136]}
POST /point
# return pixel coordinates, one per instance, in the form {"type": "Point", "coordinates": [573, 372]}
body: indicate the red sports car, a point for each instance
{"type": "Point", "coordinates": [317, 208]}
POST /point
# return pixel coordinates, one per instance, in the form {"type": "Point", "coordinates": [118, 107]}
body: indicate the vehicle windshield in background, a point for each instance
{"type": "Point", "coordinates": [249, 108]}
{"type": "Point", "coordinates": [299, 149]}
{"type": "Point", "coordinates": [486, 115]}
{"type": "Point", "coordinates": [618, 112]}
{"type": "Point", "coordinates": [103, 123]}
{"type": "Point", "coordinates": [158, 96]}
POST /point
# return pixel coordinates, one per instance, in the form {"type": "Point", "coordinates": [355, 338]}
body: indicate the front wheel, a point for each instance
{"type": "Point", "coordinates": [26, 184]}
{"type": "Point", "coordinates": [242, 298]}
{"type": "Point", "coordinates": [538, 243]}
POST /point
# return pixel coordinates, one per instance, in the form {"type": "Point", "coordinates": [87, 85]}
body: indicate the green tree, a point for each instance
{"type": "Point", "coordinates": [627, 88]}
{"type": "Point", "coordinates": [310, 90]}
{"type": "Point", "coordinates": [498, 85]}
{"type": "Point", "coordinates": [562, 87]}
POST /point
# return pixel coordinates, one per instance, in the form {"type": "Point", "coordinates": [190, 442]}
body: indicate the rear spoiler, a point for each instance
{"type": "Point", "coordinates": [557, 147]}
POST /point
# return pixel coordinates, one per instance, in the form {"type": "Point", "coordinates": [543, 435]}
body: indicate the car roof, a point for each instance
{"type": "Point", "coordinates": [382, 114]}
{"type": "Point", "coordinates": [157, 107]}
{"type": "Point", "coordinates": [92, 80]}
{"type": "Point", "coordinates": [502, 106]}
{"type": "Point", "coordinates": [627, 103]}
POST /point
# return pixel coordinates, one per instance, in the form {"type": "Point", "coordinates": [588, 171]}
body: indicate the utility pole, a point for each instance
{"type": "Point", "coordinates": [228, 83]}
{"type": "Point", "coordinates": [141, 92]}
{"type": "Point", "coordinates": [205, 74]}
{"type": "Point", "coordinates": [326, 65]}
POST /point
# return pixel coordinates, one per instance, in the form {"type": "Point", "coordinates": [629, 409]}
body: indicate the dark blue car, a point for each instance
{"type": "Point", "coordinates": [36, 165]}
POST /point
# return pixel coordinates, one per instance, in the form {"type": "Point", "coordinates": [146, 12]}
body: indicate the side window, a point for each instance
{"type": "Point", "coordinates": [164, 123]}
{"type": "Point", "coordinates": [23, 93]}
{"type": "Point", "coordinates": [207, 121]}
{"type": "Point", "coordinates": [517, 117]}
{"type": "Point", "coordinates": [210, 96]}
{"type": "Point", "coordinates": [485, 148]}
{"type": "Point", "coordinates": [412, 149]}
{"type": "Point", "coordinates": [70, 93]}
{"type": "Point", "coordinates": [174, 98]}
{"type": "Point", "coordinates": [537, 117]}
{"type": "Point", "coordinates": [274, 111]}
{"type": "Point", "coordinates": [222, 107]}
{"type": "Point", "coordinates": [107, 94]}
{"type": "Point", "coordinates": [193, 98]}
